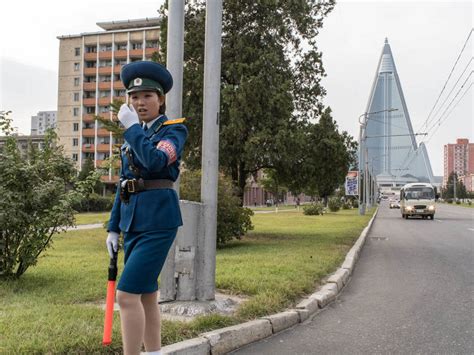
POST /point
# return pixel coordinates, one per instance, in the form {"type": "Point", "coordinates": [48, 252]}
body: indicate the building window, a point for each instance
{"type": "Point", "coordinates": [89, 79]}
{"type": "Point", "coordinates": [120, 61]}
{"type": "Point", "coordinates": [137, 45]}
{"type": "Point", "coordinates": [89, 94]}
{"type": "Point", "coordinates": [91, 49]}
{"type": "Point", "coordinates": [105, 47]}
{"type": "Point", "coordinates": [152, 44]}
{"type": "Point", "coordinates": [76, 81]}
{"type": "Point", "coordinates": [91, 64]}
{"type": "Point", "coordinates": [75, 127]}
{"type": "Point", "coordinates": [121, 46]}
{"type": "Point", "coordinates": [74, 156]}
{"type": "Point", "coordinates": [75, 111]}
{"type": "Point", "coordinates": [118, 93]}
{"type": "Point", "coordinates": [104, 78]}
{"type": "Point", "coordinates": [105, 63]}
{"type": "Point", "coordinates": [103, 109]}
{"type": "Point", "coordinates": [76, 96]}
{"type": "Point", "coordinates": [75, 142]}
{"type": "Point", "coordinates": [90, 110]}
{"type": "Point", "coordinates": [104, 93]}
{"type": "Point", "coordinates": [76, 66]}
{"type": "Point", "coordinates": [77, 51]}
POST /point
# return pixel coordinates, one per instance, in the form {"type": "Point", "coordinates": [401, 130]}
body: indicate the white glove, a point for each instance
{"type": "Point", "coordinates": [112, 243]}
{"type": "Point", "coordinates": [127, 116]}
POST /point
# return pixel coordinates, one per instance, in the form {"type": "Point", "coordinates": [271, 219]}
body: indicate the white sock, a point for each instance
{"type": "Point", "coordinates": [158, 352]}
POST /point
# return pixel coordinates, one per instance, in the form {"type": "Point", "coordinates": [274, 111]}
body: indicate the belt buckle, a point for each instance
{"type": "Point", "coordinates": [131, 185]}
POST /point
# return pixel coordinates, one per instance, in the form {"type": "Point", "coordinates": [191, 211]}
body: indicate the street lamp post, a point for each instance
{"type": "Point", "coordinates": [363, 161]}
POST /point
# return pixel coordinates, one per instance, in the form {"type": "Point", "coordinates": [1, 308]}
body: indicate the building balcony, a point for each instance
{"type": "Point", "coordinates": [149, 52]}
{"type": "Point", "coordinates": [89, 86]}
{"type": "Point", "coordinates": [105, 70]}
{"type": "Point", "coordinates": [88, 132]}
{"type": "Point", "coordinates": [121, 54]}
{"type": "Point", "coordinates": [103, 148]}
{"type": "Point", "coordinates": [89, 102]}
{"type": "Point", "coordinates": [109, 180]}
{"type": "Point", "coordinates": [105, 85]}
{"type": "Point", "coordinates": [136, 53]}
{"type": "Point", "coordinates": [88, 148]}
{"type": "Point", "coordinates": [90, 56]}
{"type": "Point", "coordinates": [118, 85]}
{"type": "Point", "coordinates": [88, 118]}
{"type": "Point", "coordinates": [104, 101]}
{"type": "Point", "coordinates": [90, 71]}
{"type": "Point", "coordinates": [105, 55]}
{"type": "Point", "coordinates": [120, 98]}
{"type": "Point", "coordinates": [102, 132]}
{"type": "Point", "coordinates": [117, 69]}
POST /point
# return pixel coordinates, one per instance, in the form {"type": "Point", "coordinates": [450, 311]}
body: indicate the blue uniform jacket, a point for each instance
{"type": "Point", "coordinates": [157, 153]}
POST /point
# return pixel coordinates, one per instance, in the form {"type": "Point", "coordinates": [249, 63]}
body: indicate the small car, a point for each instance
{"type": "Point", "coordinates": [393, 203]}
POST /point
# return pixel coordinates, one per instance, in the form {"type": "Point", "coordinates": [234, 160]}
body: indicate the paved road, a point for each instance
{"type": "Point", "coordinates": [411, 293]}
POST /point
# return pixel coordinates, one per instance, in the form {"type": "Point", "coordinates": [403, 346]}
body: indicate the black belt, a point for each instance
{"type": "Point", "coordinates": [134, 185]}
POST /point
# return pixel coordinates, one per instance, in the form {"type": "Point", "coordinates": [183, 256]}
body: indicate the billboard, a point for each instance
{"type": "Point", "coordinates": [351, 183]}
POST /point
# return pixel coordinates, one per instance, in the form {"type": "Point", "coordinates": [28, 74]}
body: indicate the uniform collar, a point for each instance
{"type": "Point", "coordinates": [154, 124]}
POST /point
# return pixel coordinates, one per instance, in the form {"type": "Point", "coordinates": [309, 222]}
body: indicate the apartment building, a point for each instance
{"type": "Point", "coordinates": [42, 121]}
{"type": "Point", "coordinates": [459, 157]}
{"type": "Point", "coordinates": [89, 81]}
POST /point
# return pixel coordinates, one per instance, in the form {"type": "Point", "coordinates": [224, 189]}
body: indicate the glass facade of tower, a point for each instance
{"type": "Point", "coordinates": [393, 155]}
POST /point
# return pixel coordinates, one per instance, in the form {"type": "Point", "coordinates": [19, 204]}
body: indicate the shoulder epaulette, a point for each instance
{"type": "Point", "coordinates": [178, 120]}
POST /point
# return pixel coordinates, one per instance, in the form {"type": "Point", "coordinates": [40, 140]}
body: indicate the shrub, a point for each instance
{"type": "Point", "coordinates": [346, 205]}
{"type": "Point", "coordinates": [94, 203]}
{"type": "Point", "coordinates": [35, 203]}
{"type": "Point", "coordinates": [233, 220]}
{"type": "Point", "coordinates": [314, 209]}
{"type": "Point", "coordinates": [469, 202]}
{"type": "Point", "coordinates": [458, 202]}
{"type": "Point", "coordinates": [449, 200]}
{"type": "Point", "coordinates": [355, 203]}
{"type": "Point", "coordinates": [334, 204]}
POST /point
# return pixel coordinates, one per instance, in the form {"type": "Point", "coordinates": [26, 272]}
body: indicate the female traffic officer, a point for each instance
{"type": "Point", "coordinates": [146, 208]}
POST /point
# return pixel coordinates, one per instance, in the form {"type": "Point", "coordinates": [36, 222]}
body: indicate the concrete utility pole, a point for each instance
{"type": "Point", "coordinates": [210, 147]}
{"type": "Point", "coordinates": [174, 103]}
{"type": "Point", "coordinates": [175, 57]}
{"type": "Point", "coordinates": [455, 177]}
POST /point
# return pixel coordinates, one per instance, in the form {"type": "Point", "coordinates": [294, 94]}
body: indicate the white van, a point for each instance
{"type": "Point", "coordinates": [418, 199]}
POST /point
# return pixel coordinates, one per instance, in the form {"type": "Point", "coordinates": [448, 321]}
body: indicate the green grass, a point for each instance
{"type": "Point", "coordinates": [92, 218]}
{"type": "Point", "coordinates": [54, 308]}
{"type": "Point", "coordinates": [272, 208]}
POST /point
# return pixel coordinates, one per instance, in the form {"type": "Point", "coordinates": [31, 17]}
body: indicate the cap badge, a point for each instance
{"type": "Point", "coordinates": [137, 82]}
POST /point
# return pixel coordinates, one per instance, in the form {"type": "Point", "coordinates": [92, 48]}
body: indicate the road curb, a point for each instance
{"type": "Point", "coordinates": [221, 341]}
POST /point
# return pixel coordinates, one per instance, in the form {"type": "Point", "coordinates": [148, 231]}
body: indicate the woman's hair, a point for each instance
{"type": "Point", "coordinates": [163, 105]}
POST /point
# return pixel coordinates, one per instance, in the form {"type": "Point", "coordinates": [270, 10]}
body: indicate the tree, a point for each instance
{"type": "Point", "coordinates": [461, 191]}
{"type": "Point", "coordinates": [329, 157]}
{"type": "Point", "coordinates": [35, 203]}
{"type": "Point", "coordinates": [272, 183]}
{"type": "Point", "coordinates": [270, 81]}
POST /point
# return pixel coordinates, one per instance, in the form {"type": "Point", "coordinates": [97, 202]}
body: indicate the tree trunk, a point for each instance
{"type": "Point", "coordinates": [242, 181]}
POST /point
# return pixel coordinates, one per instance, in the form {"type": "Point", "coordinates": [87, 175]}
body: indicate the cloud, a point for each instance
{"type": "Point", "coordinates": [25, 90]}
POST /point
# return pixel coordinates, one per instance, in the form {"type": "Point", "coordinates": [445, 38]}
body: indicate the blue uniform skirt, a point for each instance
{"type": "Point", "coordinates": [145, 254]}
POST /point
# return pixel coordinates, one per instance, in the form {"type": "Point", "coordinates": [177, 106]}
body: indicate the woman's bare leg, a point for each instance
{"type": "Point", "coordinates": [152, 338]}
{"type": "Point", "coordinates": [132, 316]}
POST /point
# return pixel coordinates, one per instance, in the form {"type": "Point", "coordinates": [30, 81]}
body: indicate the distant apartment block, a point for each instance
{"type": "Point", "coordinates": [459, 157]}
{"type": "Point", "coordinates": [89, 81]}
{"type": "Point", "coordinates": [42, 121]}
{"type": "Point", "coordinates": [24, 142]}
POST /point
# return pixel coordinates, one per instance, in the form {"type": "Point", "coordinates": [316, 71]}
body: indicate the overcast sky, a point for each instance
{"type": "Point", "coordinates": [426, 38]}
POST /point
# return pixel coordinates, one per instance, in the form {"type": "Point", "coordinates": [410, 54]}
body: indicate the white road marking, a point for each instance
{"type": "Point", "coordinates": [438, 220]}
{"type": "Point", "coordinates": [471, 229]}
